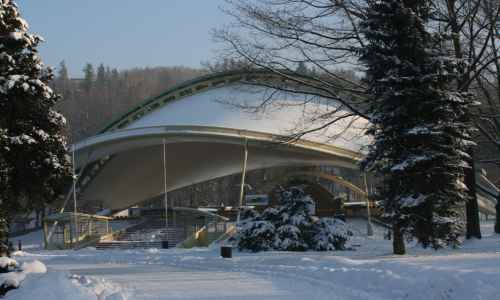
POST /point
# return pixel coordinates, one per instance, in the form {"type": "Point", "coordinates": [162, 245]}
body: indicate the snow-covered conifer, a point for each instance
{"type": "Point", "coordinates": [420, 125]}
{"type": "Point", "coordinates": [329, 234]}
{"type": "Point", "coordinates": [33, 159]}
{"type": "Point", "coordinates": [256, 235]}
{"type": "Point", "coordinates": [291, 226]}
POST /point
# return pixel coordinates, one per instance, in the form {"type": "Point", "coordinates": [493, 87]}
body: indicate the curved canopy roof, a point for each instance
{"type": "Point", "coordinates": [204, 124]}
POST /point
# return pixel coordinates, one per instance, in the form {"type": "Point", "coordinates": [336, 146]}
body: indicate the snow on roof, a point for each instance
{"type": "Point", "coordinates": [285, 114]}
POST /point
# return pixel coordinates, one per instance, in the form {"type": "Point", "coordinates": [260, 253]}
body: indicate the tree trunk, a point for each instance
{"type": "Point", "coordinates": [4, 230]}
{"type": "Point", "coordinates": [497, 223]}
{"type": "Point", "coordinates": [472, 208]}
{"type": "Point", "coordinates": [398, 244]}
{"type": "Point", "coordinates": [37, 219]}
{"type": "Point", "coordinates": [43, 215]}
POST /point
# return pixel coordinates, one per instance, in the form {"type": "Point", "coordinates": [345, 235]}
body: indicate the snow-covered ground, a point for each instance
{"type": "Point", "coordinates": [369, 272]}
{"type": "Point", "coordinates": [30, 241]}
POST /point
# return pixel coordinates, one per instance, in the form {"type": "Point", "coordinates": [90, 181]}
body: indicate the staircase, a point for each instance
{"type": "Point", "coordinates": [148, 234]}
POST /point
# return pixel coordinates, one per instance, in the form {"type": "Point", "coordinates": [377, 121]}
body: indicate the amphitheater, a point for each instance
{"type": "Point", "coordinates": [205, 130]}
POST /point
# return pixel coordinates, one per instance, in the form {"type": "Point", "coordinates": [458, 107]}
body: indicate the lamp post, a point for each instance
{"type": "Point", "coordinates": [75, 218]}
{"type": "Point", "coordinates": [165, 196]}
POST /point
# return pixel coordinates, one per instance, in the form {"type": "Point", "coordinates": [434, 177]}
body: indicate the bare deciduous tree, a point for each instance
{"type": "Point", "coordinates": [280, 36]}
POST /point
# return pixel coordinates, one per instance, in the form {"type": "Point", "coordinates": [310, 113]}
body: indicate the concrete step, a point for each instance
{"type": "Point", "coordinates": [145, 236]}
{"type": "Point", "coordinates": [133, 244]}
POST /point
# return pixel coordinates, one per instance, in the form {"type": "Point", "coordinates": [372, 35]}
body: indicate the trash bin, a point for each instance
{"type": "Point", "coordinates": [164, 244]}
{"type": "Point", "coordinates": [226, 251]}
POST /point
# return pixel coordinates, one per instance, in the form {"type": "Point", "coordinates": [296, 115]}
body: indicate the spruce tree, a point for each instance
{"type": "Point", "coordinates": [419, 124]}
{"type": "Point", "coordinates": [101, 76]}
{"type": "Point", "coordinates": [89, 78]}
{"type": "Point", "coordinates": [33, 159]}
{"type": "Point", "coordinates": [63, 74]}
{"type": "Point", "coordinates": [291, 226]}
{"type": "Point", "coordinates": [62, 81]}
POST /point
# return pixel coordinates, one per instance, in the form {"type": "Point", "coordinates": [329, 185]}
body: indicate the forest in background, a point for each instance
{"type": "Point", "coordinates": [105, 93]}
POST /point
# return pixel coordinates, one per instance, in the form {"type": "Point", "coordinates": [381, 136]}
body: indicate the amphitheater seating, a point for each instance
{"type": "Point", "coordinates": [148, 234]}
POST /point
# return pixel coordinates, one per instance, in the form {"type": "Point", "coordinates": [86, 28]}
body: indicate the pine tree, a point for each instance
{"type": "Point", "coordinates": [107, 77]}
{"type": "Point", "coordinates": [295, 217]}
{"type": "Point", "coordinates": [33, 159]}
{"type": "Point", "coordinates": [63, 74]}
{"type": "Point", "coordinates": [62, 80]}
{"type": "Point", "coordinates": [291, 226]}
{"type": "Point", "coordinates": [419, 124]}
{"type": "Point", "coordinates": [101, 76]}
{"type": "Point", "coordinates": [89, 78]}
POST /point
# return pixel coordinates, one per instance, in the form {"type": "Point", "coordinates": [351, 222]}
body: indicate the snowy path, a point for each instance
{"type": "Point", "coordinates": [166, 282]}
{"type": "Point", "coordinates": [371, 272]}
{"type": "Point", "coordinates": [201, 274]}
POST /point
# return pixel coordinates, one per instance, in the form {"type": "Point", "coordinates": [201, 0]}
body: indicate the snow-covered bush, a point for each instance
{"type": "Point", "coordinates": [17, 274]}
{"type": "Point", "coordinates": [10, 277]}
{"type": "Point", "coordinates": [256, 236]}
{"type": "Point", "coordinates": [7, 264]}
{"type": "Point", "coordinates": [248, 214]}
{"type": "Point", "coordinates": [292, 226]}
{"type": "Point", "coordinates": [289, 238]}
{"type": "Point", "coordinates": [329, 234]}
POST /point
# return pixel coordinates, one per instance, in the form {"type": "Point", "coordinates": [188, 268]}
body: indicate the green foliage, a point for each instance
{"type": "Point", "coordinates": [33, 159]}
{"type": "Point", "coordinates": [420, 124]}
{"type": "Point", "coordinates": [257, 236]}
{"type": "Point", "coordinates": [291, 226]}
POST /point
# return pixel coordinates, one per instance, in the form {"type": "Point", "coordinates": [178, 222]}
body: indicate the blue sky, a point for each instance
{"type": "Point", "coordinates": [124, 33]}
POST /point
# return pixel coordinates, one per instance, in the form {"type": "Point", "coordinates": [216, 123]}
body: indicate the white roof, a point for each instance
{"type": "Point", "coordinates": [287, 113]}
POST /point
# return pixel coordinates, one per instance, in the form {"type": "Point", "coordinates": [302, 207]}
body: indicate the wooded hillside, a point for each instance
{"type": "Point", "coordinates": [104, 93]}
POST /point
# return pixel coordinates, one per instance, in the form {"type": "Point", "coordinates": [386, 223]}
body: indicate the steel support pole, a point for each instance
{"type": "Point", "coordinates": [242, 187]}
{"type": "Point", "coordinates": [165, 199]}
{"type": "Point", "coordinates": [369, 227]}
{"type": "Point", "coordinates": [74, 195]}
{"type": "Point", "coordinates": [68, 198]}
